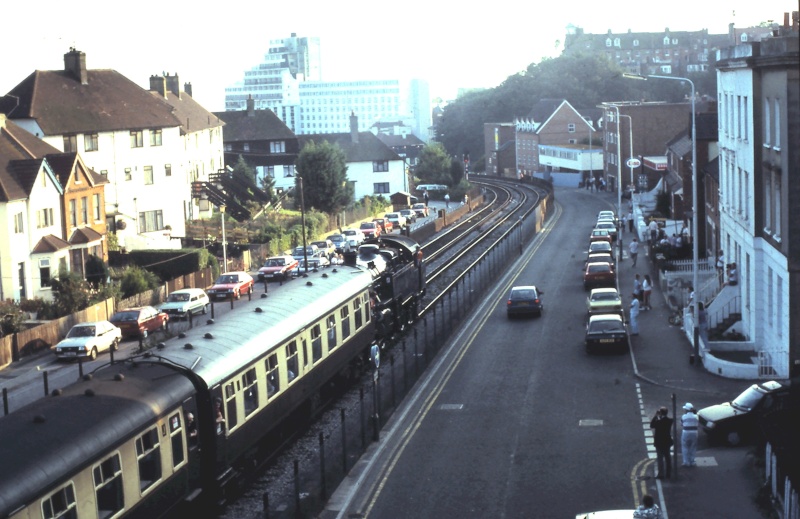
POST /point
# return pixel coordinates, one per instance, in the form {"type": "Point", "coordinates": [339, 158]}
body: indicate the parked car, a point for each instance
{"type": "Point", "coordinates": [278, 267]}
{"type": "Point", "coordinates": [609, 226]}
{"type": "Point", "coordinates": [607, 215]}
{"type": "Point", "coordinates": [138, 322]}
{"type": "Point", "coordinates": [338, 241]}
{"type": "Point", "coordinates": [421, 210]}
{"type": "Point", "coordinates": [386, 225]}
{"type": "Point", "coordinates": [524, 300]}
{"type": "Point", "coordinates": [599, 275]}
{"type": "Point", "coordinates": [410, 215]}
{"type": "Point", "coordinates": [736, 421]}
{"type": "Point", "coordinates": [599, 257]}
{"type": "Point", "coordinates": [326, 247]}
{"type": "Point", "coordinates": [312, 251]}
{"type": "Point", "coordinates": [604, 301]}
{"type": "Point", "coordinates": [231, 284]}
{"type": "Point", "coordinates": [600, 246]}
{"type": "Point", "coordinates": [181, 303]}
{"type": "Point", "coordinates": [314, 262]}
{"type": "Point", "coordinates": [355, 234]}
{"type": "Point", "coordinates": [606, 333]}
{"type": "Point", "coordinates": [371, 229]}
{"type": "Point", "coordinates": [397, 220]}
{"type": "Point", "coordinates": [87, 340]}
{"type": "Point", "coordinates": [600, 235]}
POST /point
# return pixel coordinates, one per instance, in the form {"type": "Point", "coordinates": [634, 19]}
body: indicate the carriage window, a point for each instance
{"type": "Point", "coordinates": [316, 343]}
{"type": "Point", "coordinates": [331, 332]}
{"type": "Point", "coordinates": [357, 312]}
{"type": "Point", "coordinates": [148, 452]}
{"type": "Point", "coordinates": [304, 346]}
{"type": "Point", "coordinates": [61, 504]}
{"type": "Point", "coordinates": [273, 378]}
{"type": "Point", "coordinates": [250, 383]}
{"type": "Point", "coordinates": [344, 314]}
{"type": "Point", "coordinates": [108, 487]}
{"type": "Point", "coordinates": [230, 405]}
{"type": "Point", "coordinates": [291, 360]}
{"type": "Point", "coordinates": [367, 308]}
{"type": "Point", "coordinates": [175, 430]}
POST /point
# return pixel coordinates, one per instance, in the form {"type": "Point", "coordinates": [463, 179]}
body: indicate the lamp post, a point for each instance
{"type": "Point", "coordinates": [303, 222]}
{"type": "Point", "coordinates": [619, 180]}
{"type": "Point", "coordinates": [630, 141]}
{"type": "Point", "coordinates": [695, 244]}
{"type": "Point", "coordinates": [224, 240]}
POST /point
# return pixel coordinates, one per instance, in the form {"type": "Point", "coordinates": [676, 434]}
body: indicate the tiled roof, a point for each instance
{"type": "Point", "coordinates": [368, 148]}
{"type": "Point", "coordinates": [20, 160]}
{"type": "Point", "coordinates": [49, 243]}
{"type": "Point", "coordinates": [261, 125]}
{"type": "Point", "coordinates": [109, 101]}
{"type": "Point", "coordinates": [394, 141]}
{"type": "Point", "coordinates": [84, 235]}
{"type": "Point", "coordinates": [192, 116]}
{"type": "Point", "coordinates": [681, 144]}
{"type": "Point", "coordinates": [712, 169]}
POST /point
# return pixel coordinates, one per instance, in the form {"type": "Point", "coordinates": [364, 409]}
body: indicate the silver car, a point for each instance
{"type": "Point", "coordinates": [87, 340]}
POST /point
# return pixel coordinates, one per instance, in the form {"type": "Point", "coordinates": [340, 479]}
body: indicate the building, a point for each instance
{"type": "Point", "coordinates": [325, 107]}
{"type": "Point", "coordinates": [145, 143]}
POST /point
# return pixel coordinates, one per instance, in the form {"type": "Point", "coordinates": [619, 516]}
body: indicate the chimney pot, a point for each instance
{"type": "Point", "coordinates": [75, 64]}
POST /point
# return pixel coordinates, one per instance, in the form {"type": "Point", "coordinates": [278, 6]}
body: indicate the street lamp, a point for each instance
{"type": "Point", "coordinates": [630, 141]}
{"type": "Point", "coordinates": [695, 244]}
{"type": "Point", "coordinates": [303, 221]}
{"type": "Point", "coordinates": [224, 240]}
{"type": "Point", "coordinates": [619, 179]}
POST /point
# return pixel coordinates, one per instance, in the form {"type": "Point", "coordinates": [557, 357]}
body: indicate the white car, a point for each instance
{"type": "Point", "coordinates": [88, 339]}
{"type": "Point", "coordinates": [397, 219]}
{"type": "Point", "coordinates": [354, 234]}
{"type": "Point", "coordinates": [186, 301]}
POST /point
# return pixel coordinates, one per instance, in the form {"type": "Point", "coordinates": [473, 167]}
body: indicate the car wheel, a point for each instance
{"type": "Point", "coordinates": [733, 438]}
{"type": "Point", "coordinates": [93, 354]}
{"type": "Point", "coordinates": [115, 345]}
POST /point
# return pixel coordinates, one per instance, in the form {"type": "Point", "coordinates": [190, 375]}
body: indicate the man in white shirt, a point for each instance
{"type": "Point", "coordinates": [634, 250]}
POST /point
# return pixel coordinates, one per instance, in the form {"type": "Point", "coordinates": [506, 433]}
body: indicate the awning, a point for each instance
{"type": "Point", "coordinates": [658, 163]}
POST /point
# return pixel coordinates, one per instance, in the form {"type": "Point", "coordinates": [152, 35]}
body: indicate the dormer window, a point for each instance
{"type": "Point", "coordinates": [616, 42]}
{"type": "Point", "coordinates": [666, 40]}
{"type": "Point", "coordinates": [608, 42]}
{"type": "Point", "coordinates": [743, 37]}
{"type": "Point", "coordinates": [635, 43]}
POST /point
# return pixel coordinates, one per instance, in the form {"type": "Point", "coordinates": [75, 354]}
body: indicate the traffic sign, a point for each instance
{"type": "Point", "coordinates": [633, 163]}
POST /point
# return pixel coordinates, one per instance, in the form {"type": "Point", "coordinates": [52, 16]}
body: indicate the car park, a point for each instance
{"type": "Point", "coordinates": [338, 241]}
{"type": "Point", "coordinates": [386, 225]}
{"type": "Point", "coordinates": [278, 267]}
{"type": "Point", "coordinates": [231, 285]}
{"type": "Point", "coordinates": [524, 300]}
{"type": "Point", "coordinates": [600, 246]}
{"type": "Point", "coordinates": [600, 235]}
{"type": "Point", "coordinates": [397, 220]}
{"type": "Point", "coordinates": [606, 333]}
{"type": "Point", "coordinates": [86, 340]}
{"type": "Point", "coordinates": [140, 321]}
{"type": "Point", "coordinates": [181, 303]}
{"type": "Point", "coordinates": [599, 275]}
{"type": "Point", "coordinates": [604, 301]}
{"type": "Point", "coordinates": [371, 229]}
{"type": "Point", "coordinates": [410, 215]}
{"type": "Point", "coordinates": [326, 247]}
{"type": "Point", "coordinates": [737, 421]}
{"type": "Point", "coordinates": [356, 235]}
{"type": "Point", "coordinates": [609, 226]}
{"type": "Point", "coordinates": [421, 210]}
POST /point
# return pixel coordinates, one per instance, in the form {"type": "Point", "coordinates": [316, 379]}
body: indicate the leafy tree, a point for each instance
{"type": "Point", "coordinates": [96, 271]}
{"type": "Point", "coordinates": [323, 168]}
{"type": "Point", "coordinates": [71, 293]}
{"type": "Point", "coordinates": [244, 169]}
{"type": "Point", "coordinates": [434, 164]}
{"type": "Point", "coordinates": [136, 280]}
{"type": "Point", "coordinates": [456, 171]}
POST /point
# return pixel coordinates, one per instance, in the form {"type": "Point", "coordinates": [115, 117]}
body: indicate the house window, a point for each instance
{"type": "Point", "coordinates": [137, 138]}
{"type": "Point", "coordinates": [288, 170]}
{"type": "Point", "coordinates": [70, 143]}
{"type": "Point", "coordinates": [777, 142]}
{"type": "Point", "coordinates": [635, 43]}
{"type": "Point", "coordinates": [90, 142]}
{"type": "Point", "coordinates": [104, 172]}
{"type": "Point", "coordinates": [571, 128]}
{"type": "Point", "coordinates": [148, 175]}
{"type": "Point", "coordinates": [73, 213]}
{"type": "Point", "coordinates": [108, 486]}
{"type": "Point", "coordinates": [96, 206]}
{"type": "Point", "coordinates": [44, 272]}
{"type": "Point", "coordinates": [61, 504]}
{"type": "Point", "coordinates": [168, 170]}
{"type": "Point", "coordinates": [155, 137]}
{"type": "Point", "coordinates": [380, 166]}
{"type": "Point", "coordinates": [18, 227]}
{"type": "Point", "coordinates": [85, 209]}
{"type": "Point", "coordinates": [44, 218]}
{"type": "Point", "coordinates": [270, 171]}
{"type": "Point", "coordinates": [381, 188]}
{"type": "Point", "coordinates": [767, 120]}
{"type": "Point", "coordinates": [150, 221]}
{"type": "Point", "coordinates": [277, 147]}
{"type": "Point", "coordinates": [128, 174]}
{"type": "Point", "coordinates": [246, 146]}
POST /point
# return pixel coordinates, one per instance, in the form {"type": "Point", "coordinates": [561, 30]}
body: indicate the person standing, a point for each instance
{"type": "Point", "coordinates": [647, 289]}
{"type": "Point", "coordinates": [653, 228]}
{"type": "Point", "coordinates": [634, 250]}
{"type": "Point", "coordinates": [662, 440]}
{"type": "Point", "coordinates": [447, 200]}
{"type": "Point", "coordinates": [721, 267]}
{"type": "Point", "coordinates": [630, 220]}
{"type": "Point", "coordinates": [702, 321]}
{"type": "Point", "coordinates": [425, 197]}
{"type": "Point", "coordinates": [637, 287]}
{"type": "Point", "coordinates": [689, 423]}
{"type": "Point", "coordinates": [634, 313]}
{"type": "Point", "coordinates": [648, 509]}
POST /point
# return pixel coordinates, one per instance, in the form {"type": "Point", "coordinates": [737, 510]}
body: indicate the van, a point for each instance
{"type": "Point", "coordinates": [432, 187]}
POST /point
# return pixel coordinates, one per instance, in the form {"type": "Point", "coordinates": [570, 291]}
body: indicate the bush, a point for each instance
{"type": "Point", "coordinates": [136, 280]}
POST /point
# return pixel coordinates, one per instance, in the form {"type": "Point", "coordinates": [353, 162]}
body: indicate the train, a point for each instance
{"type": "Point", "coordinates": [180, 426]}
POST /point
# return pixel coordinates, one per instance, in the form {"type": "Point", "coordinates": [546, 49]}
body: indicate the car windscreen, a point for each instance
{"type": "Point", "coordinates": [81, 331]}
{"type": "Point", "coordinates": [175, 298]}
{"type": "Point", "coordinates": [749, 399]}
{"type": "Point", "coordinates": [605, 296]}
{"type": "Point", "coordinates": [607, 326]}
{"type": "Point", "coordinates": [225, 280]}
{"type": "Point", "coordinates": [522, 295]}
{"type": "Point", "coordinates": [125, 316]}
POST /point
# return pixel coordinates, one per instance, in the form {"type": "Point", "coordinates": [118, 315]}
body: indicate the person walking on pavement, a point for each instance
{"type": "Point", "coordinates": [653, 228]}
{"type": "Point", "coordinates": [721, 267]}
{"type": "Point", "coordinates": [630, 220]}
{"type": "Point", "coordinates": [689, 423]}
{"type": "Point", "coordinates": [647, 289]}
{"type": "Point", "coordinates": [447, 200]}
{"type": "Point", "coordinates": [702, 321]}
{"type": "Point", "coordinates": [662, 441]}
{"type": "Point", "coordinates": [648, 509]}
{"type": "Point", "coordinates": [637, 287]}
{"type": "Point", "coordinates": [634, 250]}
{"type": "Point", "coordinates": [634, 313]}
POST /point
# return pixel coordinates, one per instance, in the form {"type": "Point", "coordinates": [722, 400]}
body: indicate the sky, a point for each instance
{"type": "Point", "coordinates": [451, 45]}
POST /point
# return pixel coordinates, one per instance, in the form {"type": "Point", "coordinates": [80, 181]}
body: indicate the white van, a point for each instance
{"type": "Point", "coordinates": [432, 187]}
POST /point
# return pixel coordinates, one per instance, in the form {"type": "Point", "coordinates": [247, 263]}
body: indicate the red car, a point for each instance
{"type": "Point", "coordinates": [386, 225]}
{"type": "Point", "coordinates": [599, 274]}
{"type": "Point", "coordinates": [140, 321]}
{"type": "Point", "coordinates": [278, 267]}
{"type": "Point", "coordinates": [371, 229]}
{"type": "Point", "coordinates": [231, 284]}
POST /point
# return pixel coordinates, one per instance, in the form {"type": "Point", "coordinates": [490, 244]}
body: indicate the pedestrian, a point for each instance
{"type": "Point", "coordinates": [721, 267]}
{"type": "Point", "coordinates": [637, 287]}
{"type": "Point", "coordinates": [662, 440]}
{"type": "Point", "coordinates": [466, 199]}
{"type": "Point", "coordinates": [653, 228]}
{"type": "Point", "coordinates": [634, 250]}
{"type": "Point", "coordinates": [702, 321]}
{"type": "Point", "coordinates": [634, 313]}
{"type": "Point", "coordinates": [689, 423]}
{"type": "Point", "coordinates": [630, 221]}
{"type": "Point", "coordinates": [447, 200]}
{"type": "Point", "coordinates": [691, 296]}
{"type": "Point", "coordinates": [647, 289]}
{"type": "Point", "coordinates": [602, 184]}
{"type": "Point", "coordinates": [648, 509]}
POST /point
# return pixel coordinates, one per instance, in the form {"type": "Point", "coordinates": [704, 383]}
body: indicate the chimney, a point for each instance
{"type": "Point", "coordinates": [354, 127]}
{"type": "Point", "coordinates": [174, 85]}
{"type": "Point", "coordinates": [158, 84]}
{"type": "Point", "coordinates": [251, 106]}
{"type": "Point", "coordinates": [187, 87]}
{"type": "Point", "coordinates": [75, 65]}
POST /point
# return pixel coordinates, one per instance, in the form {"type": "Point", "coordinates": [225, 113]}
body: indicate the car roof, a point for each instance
{"type": "Point", "coordinates": [90, 323]}
{"type": "Point", "coordinates": [187, 291]}
{"type": "Point", "coordinates": [524, 287]}
{"type": "Point", "coordinates": [605, 317]}
{"type": "Point", "coordinates": [605, 289]}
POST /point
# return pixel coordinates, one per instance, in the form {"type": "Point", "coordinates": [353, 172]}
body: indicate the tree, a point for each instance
{"type": "Point", "coordinates": [244, 169]}
{"type": "Point", "coordinates": [96, 270]}
{"type": "Point", "coordinates": [323, 168]}
{"type": "Point", "coordinates": [456, 171]}
{"type": "Point", "coordinates": [136, 280]}
{"type": "Point", "coordinates": [71, 293]}
{"type": "Point", "coordinates": [434, 164]}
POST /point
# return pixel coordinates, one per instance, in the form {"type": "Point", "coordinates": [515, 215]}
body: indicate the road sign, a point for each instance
{"type": "Point", "coordinates": [633, 163]}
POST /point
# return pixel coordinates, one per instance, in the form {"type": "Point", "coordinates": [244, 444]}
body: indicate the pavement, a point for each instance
{"type": "Point", "coordinates": [726, 480]}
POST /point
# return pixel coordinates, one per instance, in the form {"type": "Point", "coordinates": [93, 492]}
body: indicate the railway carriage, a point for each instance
{"type": "Point", "coordinates": [117, 443]}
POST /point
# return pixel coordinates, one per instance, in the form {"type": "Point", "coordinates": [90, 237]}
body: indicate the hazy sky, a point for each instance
{"type": "Point", "coordinates": [449, 44]}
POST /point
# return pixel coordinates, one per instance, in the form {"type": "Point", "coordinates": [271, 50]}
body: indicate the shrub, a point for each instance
{"type": "Point", "coordinates": [136, 280]}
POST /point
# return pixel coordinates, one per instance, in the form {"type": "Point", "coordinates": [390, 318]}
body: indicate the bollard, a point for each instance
{"type": "Point", "coordinates": [46, 385]}
{"type": "Point", "coordinates": [191, 318]}
{"type": "Point", "coordinates": [323, 488]}
{"type": "Point", "coordinates": [265, 504]}
{"type": "Point", "coordinates": [5, 402]}
{"type": "Point", "coordinates": [344, 442]}
{"type": "Point", "coordinates": [212, 308]}
{"type": "Point", "coordinates": [232, 298]}
{"type": "Point", "coordinates": [266, 286]}
{"type": "Point", "coordinates": [80, 368]}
